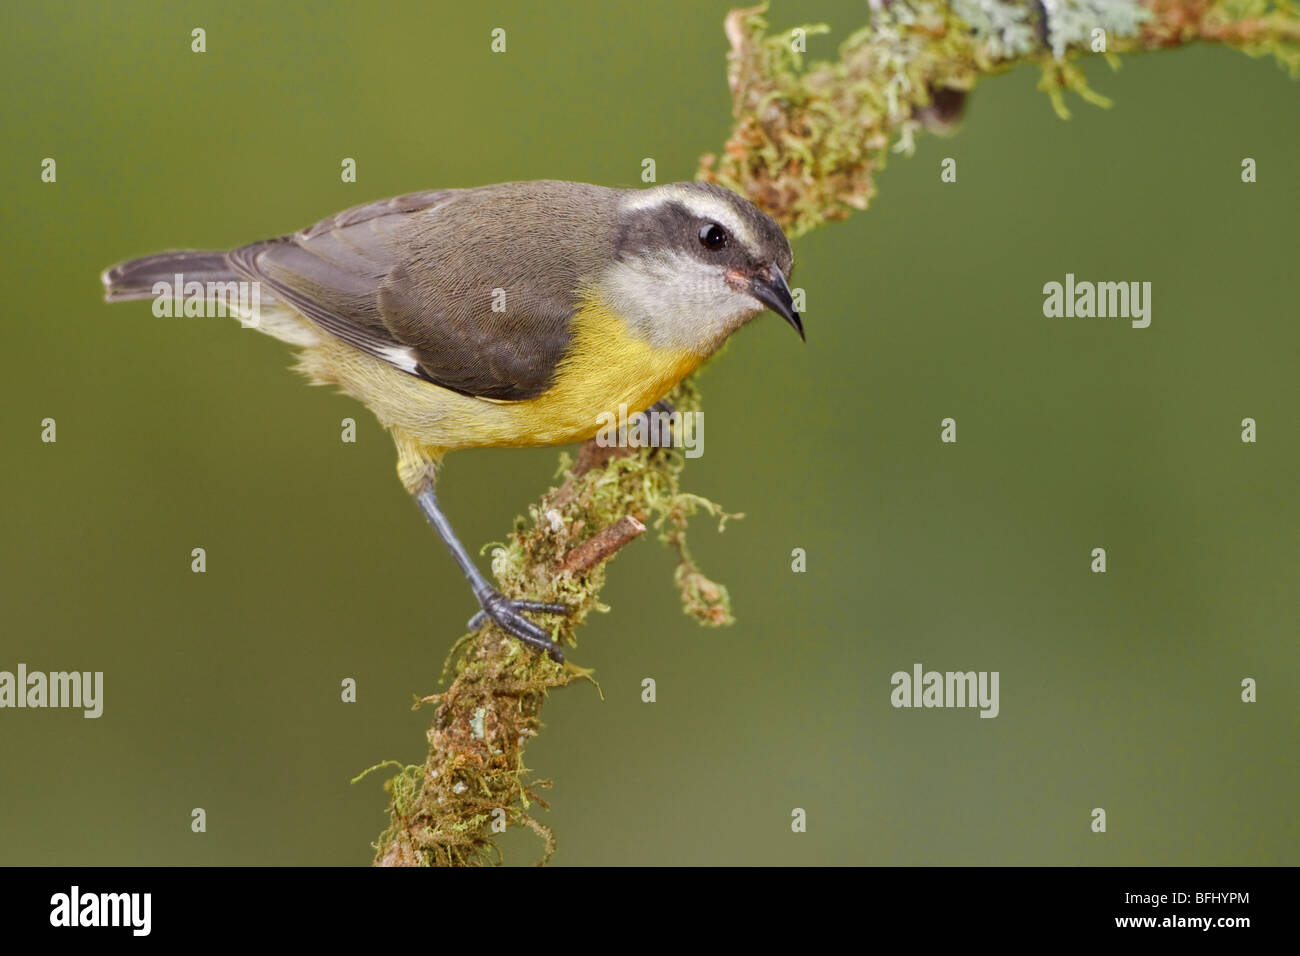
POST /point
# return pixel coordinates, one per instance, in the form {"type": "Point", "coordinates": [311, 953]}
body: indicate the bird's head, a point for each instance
{"type": "Point", "coordinates": [692, 262]}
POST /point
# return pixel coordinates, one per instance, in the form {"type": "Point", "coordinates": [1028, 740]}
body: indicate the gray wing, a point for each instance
{"type": "Point", "coordinates": [437, 284]}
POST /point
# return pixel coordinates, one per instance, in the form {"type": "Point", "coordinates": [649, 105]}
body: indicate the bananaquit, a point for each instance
{"type": "Point", "coordinates": [513, 314]}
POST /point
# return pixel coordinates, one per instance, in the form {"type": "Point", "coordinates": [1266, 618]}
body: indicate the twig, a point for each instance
{"type": "Point", "coordinates": [601, 546]}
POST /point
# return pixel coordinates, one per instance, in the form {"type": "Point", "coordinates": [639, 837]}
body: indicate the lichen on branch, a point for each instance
{"type": "Point", "coordinates": [808, 140]}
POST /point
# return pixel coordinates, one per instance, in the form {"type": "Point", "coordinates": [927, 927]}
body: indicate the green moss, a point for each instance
{"type": "Point", "coordinates": [809, 139]}
{"type": "Point", "coordinates": [442, 812]}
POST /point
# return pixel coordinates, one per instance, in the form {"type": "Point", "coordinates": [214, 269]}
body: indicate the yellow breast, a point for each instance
{"type": "Point", "coordinates": [606, 367]}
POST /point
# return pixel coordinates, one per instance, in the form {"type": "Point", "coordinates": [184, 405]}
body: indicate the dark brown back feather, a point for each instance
{"type": "Point", "coordinates": [415, 277]}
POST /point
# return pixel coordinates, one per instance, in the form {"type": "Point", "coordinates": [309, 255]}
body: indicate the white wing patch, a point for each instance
{"type": "Point", "coordinates": [400, 356]}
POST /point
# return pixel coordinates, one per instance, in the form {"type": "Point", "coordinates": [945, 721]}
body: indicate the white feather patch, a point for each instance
{"type": "Point", "coordinates": [399, 356]}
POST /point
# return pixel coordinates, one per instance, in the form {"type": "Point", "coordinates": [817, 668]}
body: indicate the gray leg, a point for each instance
{"type": "Point", "coordinates": [496, 605]}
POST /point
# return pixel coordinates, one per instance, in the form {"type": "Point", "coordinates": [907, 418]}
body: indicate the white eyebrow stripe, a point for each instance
{"type": "Point", "coordinates": [702, 204]}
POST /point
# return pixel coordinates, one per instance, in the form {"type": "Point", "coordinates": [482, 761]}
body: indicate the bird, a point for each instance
{"type": "Point", "coordinates": [512, 314]}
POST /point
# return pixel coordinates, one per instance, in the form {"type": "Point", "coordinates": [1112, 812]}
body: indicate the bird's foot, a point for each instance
{"type": "Point", "coordinates": [661, 413]}
{"type": "Point", "coordinates": [508, 615]}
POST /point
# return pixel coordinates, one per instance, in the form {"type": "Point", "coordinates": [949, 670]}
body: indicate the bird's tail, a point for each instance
{"type": "Point", "coordinates": [135, 278]}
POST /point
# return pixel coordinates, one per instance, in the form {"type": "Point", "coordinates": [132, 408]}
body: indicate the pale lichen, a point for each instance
{"type": "Point", "coordinates": [1007, 29]}
{"type": "Point", "coordinates": [808, 139]}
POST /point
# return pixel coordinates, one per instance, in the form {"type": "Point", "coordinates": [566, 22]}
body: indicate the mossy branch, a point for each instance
{"type": "Point", "coordinates": [808, 140]}
{"type": "Point", "coordinates": [806, 146]}
{"type": "Point", "coordinates": [474, 782]}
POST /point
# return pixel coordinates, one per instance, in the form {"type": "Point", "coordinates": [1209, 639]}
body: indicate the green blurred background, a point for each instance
{"type": "Point", "coordinates": [222, 690]}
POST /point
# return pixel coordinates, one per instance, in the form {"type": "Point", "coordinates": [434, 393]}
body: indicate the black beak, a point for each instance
{"type": "Point", "coordinates": [772, 291]}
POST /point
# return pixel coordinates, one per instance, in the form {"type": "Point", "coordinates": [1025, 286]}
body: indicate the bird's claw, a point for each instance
{"type": "Point", "coordinates": [508, 615]}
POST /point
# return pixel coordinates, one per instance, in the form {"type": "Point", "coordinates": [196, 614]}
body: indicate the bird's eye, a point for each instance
{"type": "Point", "coordinates": [713, 236]}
